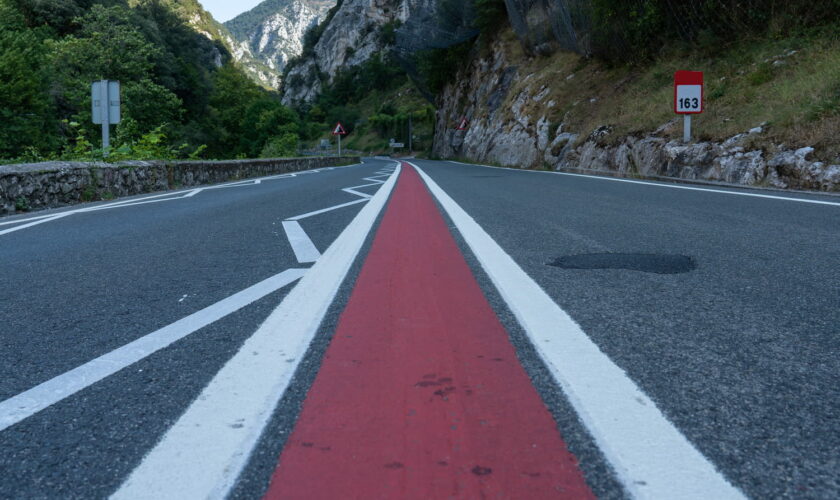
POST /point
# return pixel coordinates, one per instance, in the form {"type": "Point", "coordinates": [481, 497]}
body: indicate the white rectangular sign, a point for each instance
{"type": "Point", "coordinates": [689, 98]}
{"type": "Point", "coordinates": [108, 92]}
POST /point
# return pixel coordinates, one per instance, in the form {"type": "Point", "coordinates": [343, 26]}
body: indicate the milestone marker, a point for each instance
{"type": "Point", "coordinates": [688, 97]}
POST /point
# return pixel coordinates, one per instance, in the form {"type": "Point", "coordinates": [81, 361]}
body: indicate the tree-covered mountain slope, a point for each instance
{"type": "Point", "coordinates": [180, 90]}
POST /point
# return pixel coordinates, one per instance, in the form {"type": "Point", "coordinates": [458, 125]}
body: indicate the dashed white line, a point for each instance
{"type": "Point", "coordinates": [329, 209]}
{"type": "Point", "coordinates": [28, 403]}
{"type": "Point", "coordinates": [651, 457]}
{"type": "Point", "coordinates": [202, 455]}
{"type": "Point", "coordinates": [357, 193]}
{"type": "Point", "coordinates": [302, 245]}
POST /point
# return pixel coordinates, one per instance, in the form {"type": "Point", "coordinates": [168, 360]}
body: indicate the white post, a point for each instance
{"type": "Point", "coordinates": [339, 144]}
{"type": "Point", "coordinates": [686, 128]}
{"type": "Point", "coordinates": [106, 117]}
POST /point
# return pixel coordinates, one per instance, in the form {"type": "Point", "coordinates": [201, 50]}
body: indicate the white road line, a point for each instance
{"type": "Point", "coordinates": [124, 205]}
{"type": "Point", "coordinates": [193, 193]}
{"type": "Point", "coordinates": [357, 193]}
{"type": "Point", "coordinates": [375, 180]}
{"type": "Point", "coordinates": [665, 185]}
{"type": "Point", "coordinates": [28, 219]}
{"type": "Point", "coordinates": [202, 455]}
{"type": "Point", "coordinates": [172, 195]}
{"type": "Point", "coordinates": [302, 245]}
{"type": "Point", "coordinates": [325, 210]}
{"type": "Point", "coordinates": [31, 224]}
{"type": "Point", "coordinates": [650, 456]}
{"type": "Point", "coordinates": [28, 403]}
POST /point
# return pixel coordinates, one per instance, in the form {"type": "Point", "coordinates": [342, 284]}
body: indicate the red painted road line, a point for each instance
{"type": "Point", "coordinates": [421, 394]}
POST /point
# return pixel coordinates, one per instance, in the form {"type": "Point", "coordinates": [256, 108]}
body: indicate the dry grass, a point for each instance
{"type": "Point", "coordinates": [796, 94]}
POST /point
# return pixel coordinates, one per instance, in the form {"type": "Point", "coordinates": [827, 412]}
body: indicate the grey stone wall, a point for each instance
{"type": "Point", "coordinates": [45, 185]}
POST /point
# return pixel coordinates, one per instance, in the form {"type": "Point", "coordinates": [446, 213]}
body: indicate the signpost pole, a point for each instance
{"type": "Point", "coordinates": [686, 128]}
{"type": "Point", "coordinates": [106, 118]}
{"type": "Point", "coordinates": [339, 145]}
{"type": "Point", "coordinates": [410, 132]}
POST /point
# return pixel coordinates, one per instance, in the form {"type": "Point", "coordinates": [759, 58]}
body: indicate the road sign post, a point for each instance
{"type": "Point", "coordinates": [105, 98]}
{"type": "Point", "coordinates": [410, 138]}
{"type": "Point", "coordinates": [339, 131]}
{"type": "Point", "coordinates": [688, 98]}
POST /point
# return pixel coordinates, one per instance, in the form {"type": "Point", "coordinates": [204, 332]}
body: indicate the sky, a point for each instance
{"type": "Point", "coordinates": [225, 10]}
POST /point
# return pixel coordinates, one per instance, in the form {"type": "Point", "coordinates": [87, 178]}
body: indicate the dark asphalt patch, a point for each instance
{"type": "Point", "coordinates": [644, 262]}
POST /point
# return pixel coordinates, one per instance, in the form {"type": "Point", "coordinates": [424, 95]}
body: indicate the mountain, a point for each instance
{"type": "Point", "coordinates": [265, 38]}
{"type": "Point", "coordinates": [350, 37]}
{"type": "Point", "coordinates": [180, 96]}
{"type": "Point", "coordinates": [361, 30]}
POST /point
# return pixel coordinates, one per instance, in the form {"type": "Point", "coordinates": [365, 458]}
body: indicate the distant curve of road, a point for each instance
{"type": "Point", "coordinates": [706, 318]}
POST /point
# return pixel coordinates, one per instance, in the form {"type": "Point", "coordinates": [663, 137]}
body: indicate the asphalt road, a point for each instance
{"type": "Point", "coordinates": [739, 351]}
{"type": "Point", "coordinates": [742, 353]}
{"type": "Point", "coordinates": [78, 287]}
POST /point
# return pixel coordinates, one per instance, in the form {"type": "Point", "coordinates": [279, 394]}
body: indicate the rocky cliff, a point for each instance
{"type": "Point", "coordinates": [265, 38]}
{"type": "Point", "coordinates": [353, 35]}
{"type": "Point", "coordinates": [521, 115]}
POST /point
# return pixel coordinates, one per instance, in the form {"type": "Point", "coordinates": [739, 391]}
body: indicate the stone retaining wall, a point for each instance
{"type": "Point", "coordinates": [45, 185]}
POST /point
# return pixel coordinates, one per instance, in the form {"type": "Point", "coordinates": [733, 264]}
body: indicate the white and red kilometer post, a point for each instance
{"type": "Point", "coordinates": [339, 131]}
{"type": "Point", "coordinates": [688, 97]}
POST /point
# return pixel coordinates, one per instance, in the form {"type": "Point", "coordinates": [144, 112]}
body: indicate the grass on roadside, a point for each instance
{"type": "Point", "coordinates": [792, 85]}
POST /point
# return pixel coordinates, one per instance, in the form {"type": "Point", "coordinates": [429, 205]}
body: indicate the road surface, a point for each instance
{"type": "Point", "coordinates": [423, 330]}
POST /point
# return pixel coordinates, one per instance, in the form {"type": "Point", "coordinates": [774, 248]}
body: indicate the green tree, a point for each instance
{"type": "Point", "coordinates": [279, 147]}
{"type": "Point", "coordinates": [26, 118]}
{"type": "Point", "coordinates": [490, 15]}
{"type": "Point", "coordinates": [109, 46]}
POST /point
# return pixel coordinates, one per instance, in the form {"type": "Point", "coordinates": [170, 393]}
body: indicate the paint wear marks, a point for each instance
{"type": "Point", "coordinates": [420, 394]}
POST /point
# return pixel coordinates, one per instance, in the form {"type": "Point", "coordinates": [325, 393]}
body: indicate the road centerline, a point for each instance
{"type": "Point", "coordinates": [421, 393]}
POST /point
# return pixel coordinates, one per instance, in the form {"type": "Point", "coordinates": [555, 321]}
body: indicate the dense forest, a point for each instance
{"type": "Point", "coordinates": [182, 96]}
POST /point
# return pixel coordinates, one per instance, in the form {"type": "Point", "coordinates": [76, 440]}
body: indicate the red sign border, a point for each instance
{"type": "Point", "coordinates": [337, 126]}
{"type": "Point", "coordinates": [690, 78]}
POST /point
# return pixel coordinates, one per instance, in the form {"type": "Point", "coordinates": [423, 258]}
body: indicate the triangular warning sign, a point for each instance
{"type": "Point", "coordinates": [464, 124]}
{"type": "Point", "coordinates": [339, 129]}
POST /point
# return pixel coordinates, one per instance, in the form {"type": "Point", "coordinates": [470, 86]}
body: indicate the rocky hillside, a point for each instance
{"type": "Point", "coordinates": [563, 111]}
{"type": "Point", "coordinates": [563, 84]}
{"type": "Point", "coordinates": [355, 32]}
{"type": "Point", "coordinates": [265, 38]}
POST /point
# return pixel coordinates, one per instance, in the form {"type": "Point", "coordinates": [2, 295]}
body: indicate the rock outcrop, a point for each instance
{"type": "Point", "coordinates": [264, 39]}
{"type": "Point", "coordinates": [510, 128]}
{"type": "Point", "coordinates": [353, 36]}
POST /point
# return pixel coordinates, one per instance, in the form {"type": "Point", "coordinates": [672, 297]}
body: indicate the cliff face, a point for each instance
{"type": "Point", "coordinates": [265, 38]}
{"type": "Point", "coordinates": [521, 112]}
{"type": "Point", "coordinates": [352, 36]}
